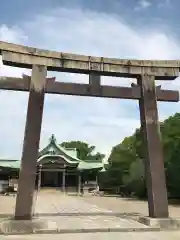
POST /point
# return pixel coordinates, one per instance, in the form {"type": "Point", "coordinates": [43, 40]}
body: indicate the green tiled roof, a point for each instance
{"type": "Point", "coordinates": [10, 164]}
{"type": "Point", "coordinates": [54, 156]}
{"type": "Point", "coordinates": [53, 150]}
{"type": "Point", "coordinates": [103, 169]}
{"type": "Point", "coordinates": [70, 154]}
{"type": "Point", "coordinates": [89, 165]}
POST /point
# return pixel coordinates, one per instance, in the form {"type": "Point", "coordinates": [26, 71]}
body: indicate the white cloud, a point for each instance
{"type": "Point", "coordinates": [143, 4]}
{"type": "Point", "coordinates": [164, 3]}
{"type": "Point", "coordinates": [102, 122]}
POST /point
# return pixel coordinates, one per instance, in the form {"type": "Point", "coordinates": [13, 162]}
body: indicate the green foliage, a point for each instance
{"type": "Point", "coordinates": [128, 160]}
{"type": "Point", "coordinates": [127, 171]}
{"type": "Point", "coordinates": [84, 150]}
{"type": "Point", "coordinates": [136, 178]}
{"type": "Point", "coordinates": [171, 144]}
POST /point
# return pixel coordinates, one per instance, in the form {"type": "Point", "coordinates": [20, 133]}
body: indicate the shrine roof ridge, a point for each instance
{"type": "Point", "coordinates": [26, 50]}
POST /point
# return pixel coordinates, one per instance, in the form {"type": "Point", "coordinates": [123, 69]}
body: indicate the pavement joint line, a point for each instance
{"type": "Point", "coordinates": [93, 230]}
{"type": "Point", "coordinates": [125, 215]}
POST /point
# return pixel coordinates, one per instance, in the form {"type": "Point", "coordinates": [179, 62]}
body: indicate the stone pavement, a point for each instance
{"type": "Point", "coordinates": [99, 236]}
{"type": "Point", "coordinates": [75, 213]}
{"type": "Point", "coordinates": [124, 205]}
{"type": "Point", "coordinates": [113, 204]}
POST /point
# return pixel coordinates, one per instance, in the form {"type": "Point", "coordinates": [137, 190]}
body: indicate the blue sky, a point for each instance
{"type": "Point", "coordinates": [144, 29]}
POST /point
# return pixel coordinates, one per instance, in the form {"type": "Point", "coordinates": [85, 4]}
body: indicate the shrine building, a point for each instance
{"type": "Point", "coordinates": [56, 167]}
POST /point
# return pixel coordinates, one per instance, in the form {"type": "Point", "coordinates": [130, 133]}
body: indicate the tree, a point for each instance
{"type": "Point", "coordinates": [126, 168]}
{"type": "Point", "coordinates": [121, 158]}
{"type": "Point", "coordinates": [129, 156]}
{"type": "Point", "coordinates": [170, 130]}
{"type": "Point", "coordinates": [84, 150]}
{"type": "Point", "coordinates": [136, 178]}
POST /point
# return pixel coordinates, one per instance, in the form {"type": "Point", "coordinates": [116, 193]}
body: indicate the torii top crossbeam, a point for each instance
{"type": "Point", "coordinates": [23, 56]}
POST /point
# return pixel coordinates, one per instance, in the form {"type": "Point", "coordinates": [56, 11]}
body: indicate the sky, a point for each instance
{"type": "Point", "coordinates": [141, 29]}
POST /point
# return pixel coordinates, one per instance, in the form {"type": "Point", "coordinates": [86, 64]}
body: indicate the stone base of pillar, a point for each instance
{"type": "Point", "coordinates": [165, 223]}
{"type": "Point", "coordinates": [25, 217]}
{"type": "Point", "coordinates": [12, 227]}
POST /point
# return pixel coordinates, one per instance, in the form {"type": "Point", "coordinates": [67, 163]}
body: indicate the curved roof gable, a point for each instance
{"type": "Point", "coordinates": [40, 159]}
{"type": "Point", "coordinates": [55, 149]}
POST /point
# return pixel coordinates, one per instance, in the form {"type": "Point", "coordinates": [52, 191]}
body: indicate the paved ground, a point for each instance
{"type": "Point", "coordinates": [122, 205]}
{"type": "Point", "coordinates": [100, 236]}
{"type": "Point", "coordinates": [115, 204]}
{"type": "Point", "coordinates": [70, 212]}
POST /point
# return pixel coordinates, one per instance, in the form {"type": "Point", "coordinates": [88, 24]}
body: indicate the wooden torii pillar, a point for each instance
{"type": "Point", "coordinates": [146, 72]}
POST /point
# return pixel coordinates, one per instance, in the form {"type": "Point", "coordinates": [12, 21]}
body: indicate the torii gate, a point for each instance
{"type": "Point", "coordinates": [145, 71]}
